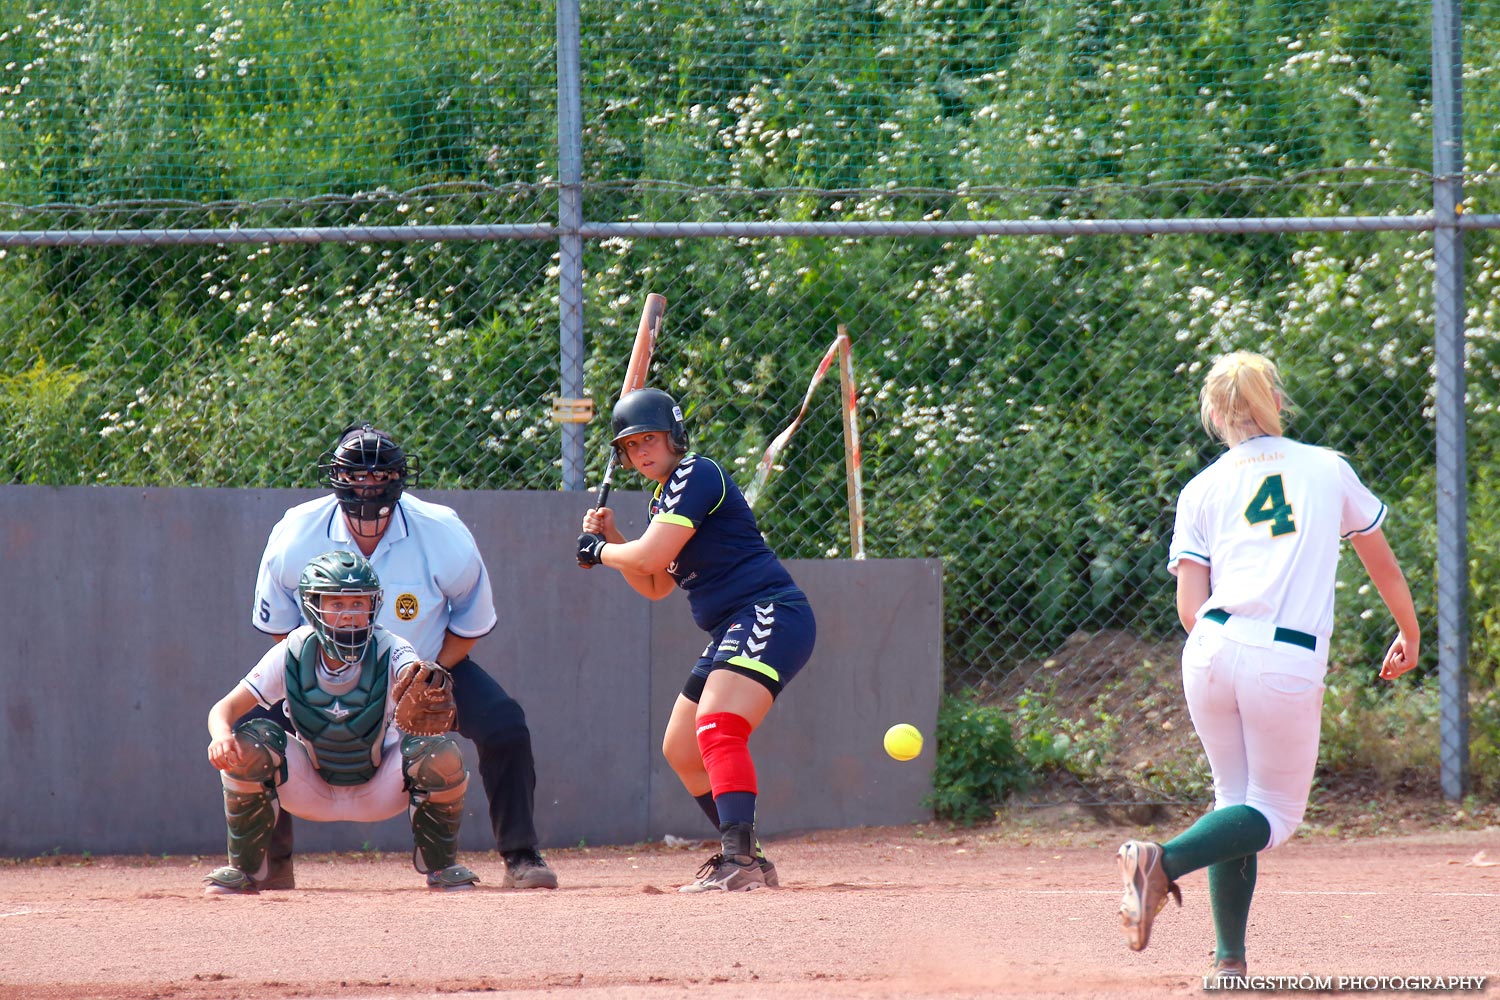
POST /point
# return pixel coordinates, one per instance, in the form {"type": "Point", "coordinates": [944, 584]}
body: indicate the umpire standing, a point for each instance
{"type": "Point", "coordinates": [437, 595]}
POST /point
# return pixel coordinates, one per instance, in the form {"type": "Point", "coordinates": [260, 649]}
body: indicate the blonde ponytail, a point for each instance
{"type": "Point", "coordinates": [1242, 398]}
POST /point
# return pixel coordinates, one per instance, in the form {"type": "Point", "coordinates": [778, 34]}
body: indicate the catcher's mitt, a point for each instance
{"type": "Point", "coordinates": [424, 699]}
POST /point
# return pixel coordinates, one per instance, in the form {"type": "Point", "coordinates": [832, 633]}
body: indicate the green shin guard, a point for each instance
{"type": "Point", "coordinates": [436, 779]}
{"type": "Point", "coordinates": [250, 804]}
{"type": "Point", "coordinates": [251, 816]}
{"type": "Point", "coordinates": [1231, 886]}
{"type": "Point", "coordinates": [434, 828]}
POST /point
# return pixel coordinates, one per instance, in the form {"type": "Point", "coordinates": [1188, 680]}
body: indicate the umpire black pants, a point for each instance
{"type": "Point", "coordinates": [497, 725]}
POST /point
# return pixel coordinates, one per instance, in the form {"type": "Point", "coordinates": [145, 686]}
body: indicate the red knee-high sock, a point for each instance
{"type": "Point", "coordinates": [723, 740]}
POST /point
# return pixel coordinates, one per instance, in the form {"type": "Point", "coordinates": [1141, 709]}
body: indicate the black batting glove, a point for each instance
{"type": "Point", "coordinates": [589, 547]}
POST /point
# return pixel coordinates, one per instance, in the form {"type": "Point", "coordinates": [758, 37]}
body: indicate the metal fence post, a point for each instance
{"type": "Point", "coordinates": [1452, 470]}
{"type": "Point", "coordinates": [570, 242]}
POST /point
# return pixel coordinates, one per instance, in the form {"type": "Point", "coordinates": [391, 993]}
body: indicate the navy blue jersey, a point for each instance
{"type": "Point", "coordinates": [726, 565]}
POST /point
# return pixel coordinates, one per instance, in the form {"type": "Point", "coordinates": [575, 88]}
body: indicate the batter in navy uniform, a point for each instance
{"type": "Point", "coordinates": [703, 538]}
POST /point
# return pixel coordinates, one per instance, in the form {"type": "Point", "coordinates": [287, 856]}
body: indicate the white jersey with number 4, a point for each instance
{"type": "Point", "coordinates": [1266, 519]}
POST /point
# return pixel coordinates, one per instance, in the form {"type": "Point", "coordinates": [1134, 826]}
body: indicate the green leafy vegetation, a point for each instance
{"type": "Point", "coordinates": [1027, 403]}
{"type": "Point", "coordinates": [978, 761]}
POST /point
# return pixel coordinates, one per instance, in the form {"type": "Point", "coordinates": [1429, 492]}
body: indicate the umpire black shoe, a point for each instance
{"type": "Point", "coordinates": [525, 869]}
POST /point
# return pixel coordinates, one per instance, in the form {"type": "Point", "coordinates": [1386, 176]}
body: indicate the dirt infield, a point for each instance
{"type": "Point", "coordinates": [896, 912]}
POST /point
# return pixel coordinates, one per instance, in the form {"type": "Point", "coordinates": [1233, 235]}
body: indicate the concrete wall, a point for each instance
{"type": "Point", "coordinates": [129, 614]}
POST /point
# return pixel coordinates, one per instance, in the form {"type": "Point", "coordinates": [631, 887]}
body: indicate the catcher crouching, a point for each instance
{"type": "Point", "coordinates": [367, 734]}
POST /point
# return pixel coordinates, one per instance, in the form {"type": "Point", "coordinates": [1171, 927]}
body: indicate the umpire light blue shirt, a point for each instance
{"type": "Point", "coordinates": [429, 566]}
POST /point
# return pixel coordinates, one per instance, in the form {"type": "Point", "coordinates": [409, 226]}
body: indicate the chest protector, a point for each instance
{"type": "Point", "coordinates": [344, 731]}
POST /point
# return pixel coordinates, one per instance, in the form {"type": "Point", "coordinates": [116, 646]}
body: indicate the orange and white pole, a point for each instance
{"type": "Point", "coordinates": [768, 460]}
{"type": "Point", "coordinates": [852, 476]}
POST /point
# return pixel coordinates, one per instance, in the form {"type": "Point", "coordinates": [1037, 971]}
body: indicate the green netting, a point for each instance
{"type": "Point", "coordinates": [952, 93]}
{"type": "Point", "coordinates": [1027, 401]}
{"type": "Point", "coordinates": [248, 99]}
{"type": "Point", "coordinates": [124, 99]}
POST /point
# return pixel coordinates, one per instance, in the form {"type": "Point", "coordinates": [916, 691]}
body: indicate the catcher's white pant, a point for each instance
{"type": "Point", "coordinates": [306, 794]}
{"type": "Point", "coordinates": [1257, 705]}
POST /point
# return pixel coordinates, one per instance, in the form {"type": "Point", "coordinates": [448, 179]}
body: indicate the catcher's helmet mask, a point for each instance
{"type": "Point", "coordinates": [647, 410]}
{"type": "Point", "coordinates": [367, 471]}
{"type": "Point", "coordinates": [340, 573]}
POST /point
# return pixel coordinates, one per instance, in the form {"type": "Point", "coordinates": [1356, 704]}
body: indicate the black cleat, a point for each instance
{"type": "Point", "coordinates": [525, 869]}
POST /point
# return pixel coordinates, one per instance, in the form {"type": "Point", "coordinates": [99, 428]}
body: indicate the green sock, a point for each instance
{"type": "Point", "coordinates": [1231, 884]}
{"type": "Point", "coordinates": [1222, 835]}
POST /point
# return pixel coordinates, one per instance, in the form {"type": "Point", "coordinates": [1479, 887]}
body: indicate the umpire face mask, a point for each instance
{"type": "Point", "coordinates": [367, 471]}
{"type": "Point", "coordinates": [368, 499]}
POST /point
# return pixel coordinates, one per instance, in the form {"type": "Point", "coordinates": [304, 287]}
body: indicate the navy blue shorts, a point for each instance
{"type": "Point", "coordinates": [768, 642]}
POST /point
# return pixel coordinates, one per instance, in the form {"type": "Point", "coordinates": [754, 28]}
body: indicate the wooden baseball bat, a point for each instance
{"type": "Point", "coordinates": [635, 373]}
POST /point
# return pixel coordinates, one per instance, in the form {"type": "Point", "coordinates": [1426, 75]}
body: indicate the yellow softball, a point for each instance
{"type": "Point", "coordinates": [903, 741]}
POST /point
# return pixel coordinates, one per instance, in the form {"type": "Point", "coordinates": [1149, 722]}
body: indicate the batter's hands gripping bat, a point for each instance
{"type": "Point", "coordinates": [635, 374]}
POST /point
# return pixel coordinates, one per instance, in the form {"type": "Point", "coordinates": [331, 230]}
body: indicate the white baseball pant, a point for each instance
{"type": "Point", "coordinates": [306, 794]}
{"type": "Point", "coordinates": [1257, 705]}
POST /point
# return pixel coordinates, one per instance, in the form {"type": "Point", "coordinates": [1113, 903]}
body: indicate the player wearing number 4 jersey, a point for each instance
{"type": "Point", "coordinates": [1254, 550]}
{"type": "Point", "coordinates": [703, 538]}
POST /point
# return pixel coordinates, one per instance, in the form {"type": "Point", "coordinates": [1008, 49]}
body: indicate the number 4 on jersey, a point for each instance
{"type": "Point", "coordinates": [1269, 504]}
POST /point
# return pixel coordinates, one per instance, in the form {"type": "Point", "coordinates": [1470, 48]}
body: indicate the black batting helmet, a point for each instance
{"type": "Point", "coordinates": [367, 471]}
{"type": "Point", "coordinates": [649, 410]}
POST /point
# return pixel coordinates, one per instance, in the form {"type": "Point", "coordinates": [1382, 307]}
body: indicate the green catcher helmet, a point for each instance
{"type": "Point", "coordinates": [339, 573]}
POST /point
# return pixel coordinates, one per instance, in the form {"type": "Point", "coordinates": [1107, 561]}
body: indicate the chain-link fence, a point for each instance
{"type": "Point", "coordinates": [228, 228]}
